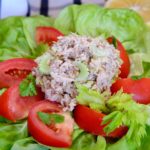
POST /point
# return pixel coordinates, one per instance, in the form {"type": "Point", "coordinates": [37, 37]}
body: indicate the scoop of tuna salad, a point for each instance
{"type": "Point", "coordinates": [73, 59]}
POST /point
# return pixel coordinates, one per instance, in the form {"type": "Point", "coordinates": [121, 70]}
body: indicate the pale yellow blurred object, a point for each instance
{"type": "Point", "coordinates": [148, 24]}
{"type": "Point", "coordinates": [140, 6]}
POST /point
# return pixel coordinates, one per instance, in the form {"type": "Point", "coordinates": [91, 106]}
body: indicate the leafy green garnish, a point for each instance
{"type": "Point", "coordinates": [91, 98]}
{"type": "Point", "coordinates": [121, 110]}
{"type": "Point", "coordinates": [28, 86]}
{"type": "Point", "coordinates": [125, 111]}
{"type": "Point", "coordinates": [48, 118]}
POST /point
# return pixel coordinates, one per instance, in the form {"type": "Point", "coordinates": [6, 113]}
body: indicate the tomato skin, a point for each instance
{"type": "Point", "coordinates": [140, 89]}
{"type": "Point", "coordinates": [8, 67]}
{"type": "Point", "coordinates": [43, 133]}
{"type": "Point", "coordinates": [15, 107]}
{"type": "Point", "coordinates": [90, 120]}
{"type": "Point", "coordinates": [47, 35]}
{"type": "Point", "coordinates": [125, 67]}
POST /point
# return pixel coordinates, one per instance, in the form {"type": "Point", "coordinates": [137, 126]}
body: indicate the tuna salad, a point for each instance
{"type": "Point", "coordinates": [74, 59]}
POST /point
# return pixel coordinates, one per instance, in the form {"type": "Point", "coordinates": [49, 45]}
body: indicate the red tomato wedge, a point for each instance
{"type": "Point", "coordinates": [12, 71]}
{"type": "Point", "coordinates": [140, 89]}
{"type": "Point", "coordinates": [15, 107]}
{"type": "Point", "coordinates": [58, 135]}
{"type": "Point", "coordinates": [90, 121]}
{"type": "Point", "coordinates": [47, 35]}
{"type": "Point", "coordinates": [125, 67]}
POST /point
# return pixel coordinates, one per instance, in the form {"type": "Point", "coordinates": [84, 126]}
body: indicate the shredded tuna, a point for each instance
{"type": "Point", "coordinates": [101, 59]}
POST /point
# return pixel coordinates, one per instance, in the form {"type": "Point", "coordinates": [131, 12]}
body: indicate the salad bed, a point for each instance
{"type": "Point", "coordinates": [124, 123]}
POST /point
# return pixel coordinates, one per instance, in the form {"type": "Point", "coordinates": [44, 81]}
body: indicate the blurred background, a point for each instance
{"type": "Point", "coordinates": [35, 7]}
{"type": "Point", "coordinates": [53, 7]}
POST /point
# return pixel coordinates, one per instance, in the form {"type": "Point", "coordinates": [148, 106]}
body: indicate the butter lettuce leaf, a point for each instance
{"type": "Point", "coordinates": [124, 24]}
{"type": "Point", "coordinates": [29, 27]}
{"type": "Point", "coordinates": [18, 36]}
{"type": "Point", "coordinates": [68, 16]}
{"type": "Point", "coordinates": [122, 144]}
{"type": "Point", "coordinates": [9, 133]}
{"type": "Point", "coordinates": [28, 144]}
{"type": "Point", "coordinates": [84, 141]}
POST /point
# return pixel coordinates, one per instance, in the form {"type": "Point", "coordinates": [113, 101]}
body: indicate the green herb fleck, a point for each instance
{"type": "Point", "coordinates": [28, 86]}
{"type": "Point", "coordinates": [48, 118]}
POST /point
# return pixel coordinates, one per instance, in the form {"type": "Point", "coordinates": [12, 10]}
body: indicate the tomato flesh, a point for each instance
{"type": "Point", "coordinates": [125, 67]}
{"type": "Point", "coordinates": [58, 135]}
{"type": "Point", "coordinates": [47, 35]}
{"type": "Point", "coordinates": [12, 71]}
{"type": "Point", "coordinates": [140, 89]}
{"type": "Point", "coordinates": [15, 107]}
{"type": "Point", "coordinates": [90, 120]}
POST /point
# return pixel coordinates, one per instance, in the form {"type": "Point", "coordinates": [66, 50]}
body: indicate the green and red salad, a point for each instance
{"type": "Point", "coordinates": [80, 81]}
